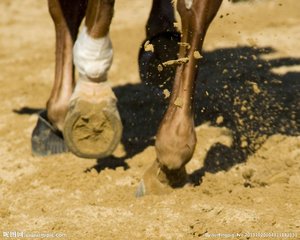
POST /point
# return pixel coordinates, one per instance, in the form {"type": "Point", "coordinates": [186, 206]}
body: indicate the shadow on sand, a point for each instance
{"type": "Point", "coordinates": [235, 83]}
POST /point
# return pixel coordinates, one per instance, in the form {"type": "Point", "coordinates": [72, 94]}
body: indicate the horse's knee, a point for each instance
{"type": "Point", "coordinates": [92, 57]}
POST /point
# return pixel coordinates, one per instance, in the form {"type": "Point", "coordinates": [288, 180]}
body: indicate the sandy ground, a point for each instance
{"type": "Point", "coordinates": [247, 159]}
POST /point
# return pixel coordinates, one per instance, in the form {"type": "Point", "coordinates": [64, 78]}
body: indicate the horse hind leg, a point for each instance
{"type": "Point", "coordinates": [47, 138]}
{"type": "Point", "coordinates": [162, 36]}
{"type": "Point", "coordinates": [93, 127]}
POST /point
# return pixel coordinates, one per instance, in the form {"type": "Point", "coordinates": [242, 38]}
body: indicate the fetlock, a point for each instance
{"type": "Point", "coordinates": [56, 113]}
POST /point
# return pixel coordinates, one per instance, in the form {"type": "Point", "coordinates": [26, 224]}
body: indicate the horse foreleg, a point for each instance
{"type": "Point", "coordinates": [67, 16]}
{"type": "Point", "coordinates": [176, 138]}
{"type": "Point", "coordinates": [93, 127]}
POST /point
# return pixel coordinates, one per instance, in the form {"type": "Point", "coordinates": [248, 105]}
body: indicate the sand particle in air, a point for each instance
{"type": "Point", "coordinates": [166, 93]}
{"type": "Point", "coordinates": [179, 102]}
{"type": "Point", "coordinates": [148, 47]}
{"type": "Point", "coordinates": [219, 119]}
{"type": "Point", "coordinates": [178, 61]}
{"type": "Point", "coordinates": [255, 88]}
{"type": "Point", "coordinates": [197, 55]}
{"type": "Point", "coordinates": [225, 71]}
{"type": "Point", "coordinates": [160, 68]}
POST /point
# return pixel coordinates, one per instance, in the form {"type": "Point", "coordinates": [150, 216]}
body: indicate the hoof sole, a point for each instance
{"type": "Point", "coordinates": [45, 139]}
{"type": "Point", "coordinates": [92, 129]}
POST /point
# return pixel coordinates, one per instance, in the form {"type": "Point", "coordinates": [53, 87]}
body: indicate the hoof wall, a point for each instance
{"type": "Point", "coordinates": [45, 139]}
{"type": "Point", "coordinates": [92, 129]}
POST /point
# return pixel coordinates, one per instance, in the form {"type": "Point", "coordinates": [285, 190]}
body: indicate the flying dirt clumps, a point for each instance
{"type": "Point", "coordinates": [178, 61]}
{"type": "Point", "coordinates": [166, 93]}
{"type": "Point", "coordinates": [178, 102]}
{"type": "Point", "coordinates": [148, 47]}
{"type": "Point", "coordinates": [255, 87]}
{"type": "Point", "coordinates": [219, 120]}
{"type": "Point", "coordinates": [197, 55]}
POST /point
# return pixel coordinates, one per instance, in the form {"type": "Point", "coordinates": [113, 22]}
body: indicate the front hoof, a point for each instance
{"type": "Point", "coordinates": [92, 129]}
{"type": "Point", "coordinates": [45, 139]}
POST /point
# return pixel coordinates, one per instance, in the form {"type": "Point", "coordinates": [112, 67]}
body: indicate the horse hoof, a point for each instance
{"type": "Point", "coordinates": [165, 47]}
{"type": "Point", "coordinates": [92, 129]}
{"type": "Point", "coordinates": [45, 139]}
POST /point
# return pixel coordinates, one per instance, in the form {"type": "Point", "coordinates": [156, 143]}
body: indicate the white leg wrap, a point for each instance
{"type": "Point", "coordinates": [92, 57]}
{"type": "Point", "coordinates": [188, 4]}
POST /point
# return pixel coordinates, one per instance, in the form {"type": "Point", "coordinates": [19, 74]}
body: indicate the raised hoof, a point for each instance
{"type": "Point", "coordinates": [165, 47]}
{"type": "Point", "coordinates": [92, 129]}
{"type": "Point", "coordinates": [45, 139]}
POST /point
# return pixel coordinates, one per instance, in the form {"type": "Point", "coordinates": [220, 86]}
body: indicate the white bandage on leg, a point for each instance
{"type": "Point", "coordinates": [92, 57]}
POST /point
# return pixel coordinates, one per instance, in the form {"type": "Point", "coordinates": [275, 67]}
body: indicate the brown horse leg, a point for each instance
{"type": "Point", "coordinates": [93, 127]}
{"type": "Point", "coordinates": [67, 16]}
{"type": "Point", "coordinates": [46, 137]}
{"type": "Point", "coordinates": [176, 138]}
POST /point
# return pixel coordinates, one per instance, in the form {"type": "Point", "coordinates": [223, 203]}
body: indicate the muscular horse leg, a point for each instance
{"type": "Point", "coordinates": [92, 126]}
{"type": "Point", "coordinates": [176, 138]}
{"type": "Point", "coordinates": [67, 16]}
{"type": "Point", "coordinates": [47, 137]}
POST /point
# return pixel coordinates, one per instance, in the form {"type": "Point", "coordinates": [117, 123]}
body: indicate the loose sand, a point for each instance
{"type": "Point", "coordinates": [247, 159]}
